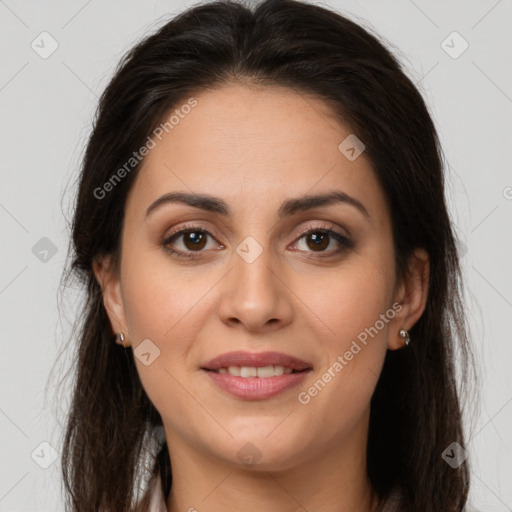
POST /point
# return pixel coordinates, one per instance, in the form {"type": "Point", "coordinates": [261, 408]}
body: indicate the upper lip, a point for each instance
{"type": "Point", "coordinates": [256, 359]}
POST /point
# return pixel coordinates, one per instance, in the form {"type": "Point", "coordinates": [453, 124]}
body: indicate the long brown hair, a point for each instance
{"type": "Point", "coordinates": [113, 441]}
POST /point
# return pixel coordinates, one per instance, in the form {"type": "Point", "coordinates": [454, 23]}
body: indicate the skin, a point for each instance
{"type": "Point", "coordinates": [254, 148]}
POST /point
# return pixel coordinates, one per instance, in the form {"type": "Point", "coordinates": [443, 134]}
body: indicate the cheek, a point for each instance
{"type": "Point", "coordinates": [347, 301]}
{"type": "Point", "coordinates": [353, 351]}
{"type": "Point", "coordinates": [157, 295]}
{"type": "Point", "coordinates": [166, 305]}
{"type": "Point", "coordinates": [345, 310]}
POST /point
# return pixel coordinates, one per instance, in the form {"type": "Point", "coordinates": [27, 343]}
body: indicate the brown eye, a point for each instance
{"type": "Point", "coordinates": [194, 240]}
{"type": "Point", "coordinates": [317, 241]}
{"type": "Point", "coordinates": [189, 242]}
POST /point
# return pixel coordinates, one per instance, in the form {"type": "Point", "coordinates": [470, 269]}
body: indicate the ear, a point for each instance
{"type": "Point", "coordinates": [412, 294]}
{"type": "Point", "coordinates": [108, 278]}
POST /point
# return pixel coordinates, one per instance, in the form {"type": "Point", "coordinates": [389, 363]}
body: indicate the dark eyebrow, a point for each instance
{"type": "Point", "coordinates": [303, 203]}
{"type": "Point", "coordinates": [289, 207]}
{"type": "Point", "coordinates": [202, 201]}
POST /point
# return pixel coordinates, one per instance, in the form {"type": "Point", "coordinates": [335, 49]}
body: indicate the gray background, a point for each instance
{"type": "Point", "coordinates": [46, 107]}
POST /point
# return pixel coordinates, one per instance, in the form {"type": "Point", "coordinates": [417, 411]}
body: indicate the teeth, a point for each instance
{"type": "Point", "coordinates": [252, 371]}
{"type": "Point", "coordinates": [234, 370]}
{"type": "Point", "coordinates": [247, 371]}
{"type": "Point", "coordinates": [266, 371]}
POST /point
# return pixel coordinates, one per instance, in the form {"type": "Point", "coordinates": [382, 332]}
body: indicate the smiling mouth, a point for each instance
{"type": "Point", "coordinates": [253, 371]}
{"type": "Point", "coordinates": [256, 382]}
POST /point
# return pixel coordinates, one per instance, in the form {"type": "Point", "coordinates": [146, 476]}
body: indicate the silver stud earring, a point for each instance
{"type": "Point", "coordinates": [120, 340]}
{"type": "Point", "coordinates": [405, 336]}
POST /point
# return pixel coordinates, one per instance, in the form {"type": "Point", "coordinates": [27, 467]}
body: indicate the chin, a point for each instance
{"type": "Point", "coordinates": [262, 452]}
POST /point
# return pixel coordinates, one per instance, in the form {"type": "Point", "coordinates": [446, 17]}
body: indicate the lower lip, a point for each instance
{"type": "Point", "coordinates": [256, 388]}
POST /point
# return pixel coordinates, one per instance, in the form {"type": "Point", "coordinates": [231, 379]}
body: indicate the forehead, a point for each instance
{"type": "Point", "coordinates": [255, 146]}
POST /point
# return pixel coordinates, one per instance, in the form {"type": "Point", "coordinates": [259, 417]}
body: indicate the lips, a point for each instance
{"type": "Point", "coordinates": [257, 360]}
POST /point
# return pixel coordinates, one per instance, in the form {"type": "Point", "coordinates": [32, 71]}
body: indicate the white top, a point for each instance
{"type": "Point", "coordinates": [157, 503]}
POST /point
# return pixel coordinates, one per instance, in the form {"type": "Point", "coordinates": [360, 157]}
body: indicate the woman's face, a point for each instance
{"type": "Point", "coordinates": [248, 279]}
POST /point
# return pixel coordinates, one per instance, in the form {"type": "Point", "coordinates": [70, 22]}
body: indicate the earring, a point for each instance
{"type": "Point", "coordinates": [120, 340]}
{"type": "Point", "coordinates": [405, 336]}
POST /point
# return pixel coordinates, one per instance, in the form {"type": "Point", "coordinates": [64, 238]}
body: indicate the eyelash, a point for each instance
{"type": "Point", "coordinates": [345, 242]}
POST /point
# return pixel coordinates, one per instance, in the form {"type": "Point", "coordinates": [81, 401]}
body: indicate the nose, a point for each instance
{"type": "Point", "coordinates": [254, 296]}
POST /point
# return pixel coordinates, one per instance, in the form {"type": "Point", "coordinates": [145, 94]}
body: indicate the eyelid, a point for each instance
{"type": "Point", "coordinates": [345, 241]}
{"type": "Point", "coordinates": [313, 228]}
{"type": "Point", "coordinates": [191, 226]}
{"type": "Point", "coordinates": [182, 230]}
